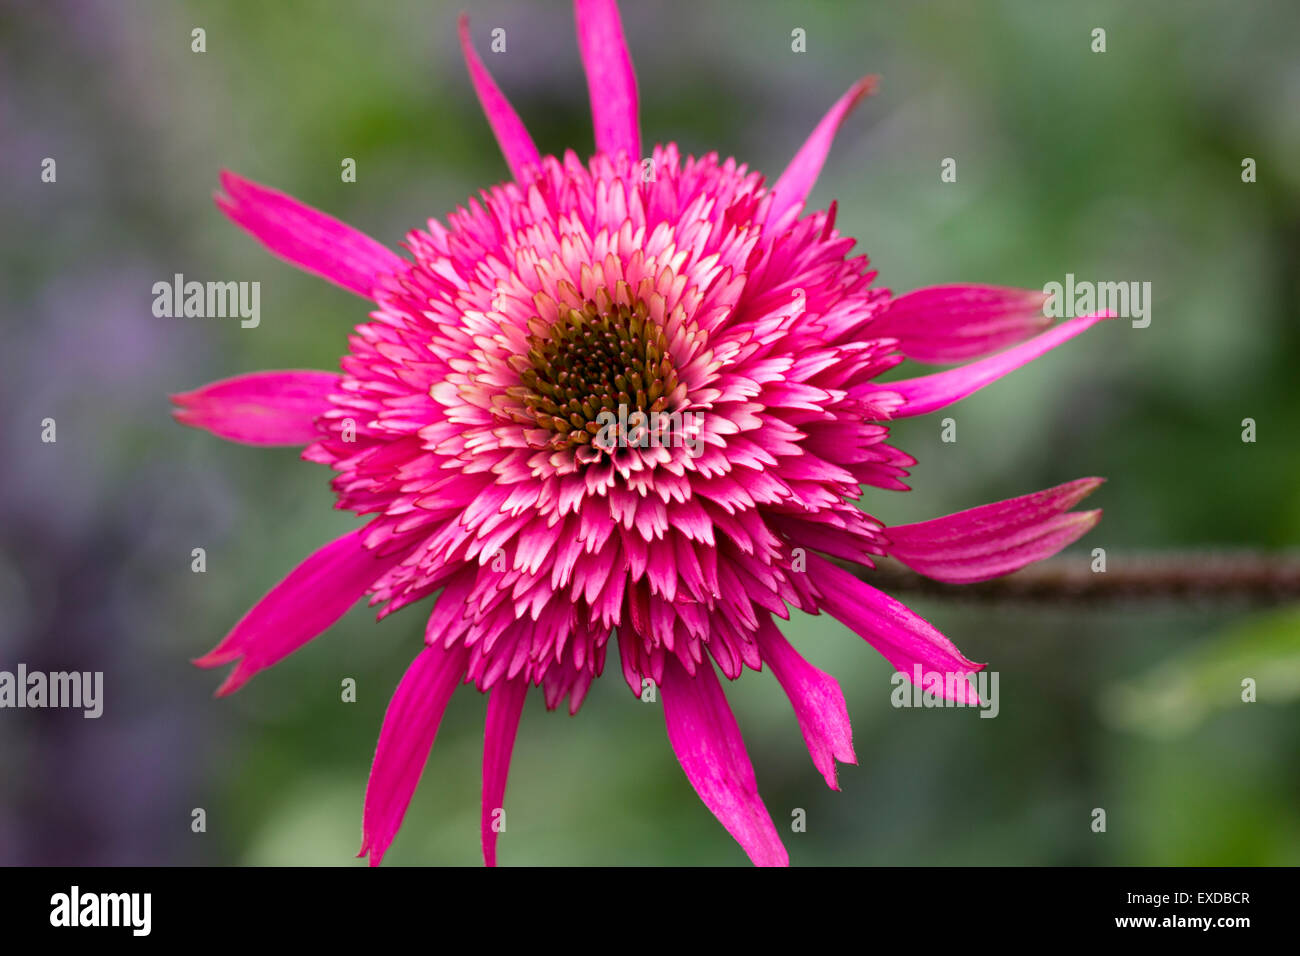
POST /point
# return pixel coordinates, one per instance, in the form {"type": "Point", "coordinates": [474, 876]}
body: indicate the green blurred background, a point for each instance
{"type": "Point", "coordinates": [1124, 165]}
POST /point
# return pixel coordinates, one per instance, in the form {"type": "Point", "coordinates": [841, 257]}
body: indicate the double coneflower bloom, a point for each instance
{"type": "Point", "coordinates": [635, 398]}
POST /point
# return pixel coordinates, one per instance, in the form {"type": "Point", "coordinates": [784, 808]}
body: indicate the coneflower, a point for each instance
{"type": "Point", "coordinates": [631, 397]}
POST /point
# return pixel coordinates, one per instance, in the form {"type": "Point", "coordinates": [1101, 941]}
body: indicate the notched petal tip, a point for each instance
{"type": "Point", "coordinates": [305, 603]}
{"type": "Point", "coordinates": [236, 189]}
{"type": "Point", "coordinates": [817, 700]}
{"type": "Point", "coordinates": [184, 410]}
{"type": "Point", "coordinates": [365, 850]}
{"type": "Point", "coordinates": [212, 659]}
{"type": "Point", "coordinates": [243, 672]}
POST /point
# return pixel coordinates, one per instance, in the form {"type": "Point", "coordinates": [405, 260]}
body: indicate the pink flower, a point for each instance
{"type": "Point", "coordinates": [634, 397]}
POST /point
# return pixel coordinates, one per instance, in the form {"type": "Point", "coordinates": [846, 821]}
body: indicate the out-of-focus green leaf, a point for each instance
{"type": "Point", "coordinates": [1258, 658]}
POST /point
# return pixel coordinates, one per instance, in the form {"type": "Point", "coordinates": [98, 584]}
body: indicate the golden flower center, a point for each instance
{"type": "Point", "coordinates": [592, 364]}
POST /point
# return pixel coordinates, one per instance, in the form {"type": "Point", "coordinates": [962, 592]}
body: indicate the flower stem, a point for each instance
{"type": "Point", "coordinates": [1182, 577]}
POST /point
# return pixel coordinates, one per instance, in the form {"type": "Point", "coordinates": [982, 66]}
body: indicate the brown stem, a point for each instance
{"type": "Point", "coordinates": [1190, 577]}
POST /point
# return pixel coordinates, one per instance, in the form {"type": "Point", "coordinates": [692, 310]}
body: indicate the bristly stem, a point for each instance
{"type": "Point", "coordinates": [1182, 577]}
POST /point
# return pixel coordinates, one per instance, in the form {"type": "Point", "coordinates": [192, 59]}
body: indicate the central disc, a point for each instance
{"type": "Point", "coordinates": [593, 361]}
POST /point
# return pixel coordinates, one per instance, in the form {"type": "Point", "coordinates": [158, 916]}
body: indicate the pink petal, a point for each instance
{"type": "Point", "coordinates": [262, 408]}
{"type": "Point", "coordinates": [995, 539]}
{"type": "Point", "coordinates": [704, 735]}
{"type": "Point", "coordinates": [817, 699]}
{"type": "Point", "coordinates": [410, 726]}
{"type": "Point", "coordinates": [505, 704]}
{"type": "Point", "coordinates": [904, 637]}
{"type": "Point", "coordinates": [315, 594]}
{"type": "Point", "coordinates": [307, 237]}
{"type": "Point", "coordinates": [956, 323]}
{"type": "Point", "coordinates": [792, 188]}
{"type": "Point", "coordinates": [931, 392]}
{"type": "Point", "coordinates": [509, 130]}
{"type": "Point", "coordinates": [611, 80]}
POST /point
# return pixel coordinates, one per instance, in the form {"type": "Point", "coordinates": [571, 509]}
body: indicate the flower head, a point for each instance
{"type": "Point", "coordinates": [632, 398]}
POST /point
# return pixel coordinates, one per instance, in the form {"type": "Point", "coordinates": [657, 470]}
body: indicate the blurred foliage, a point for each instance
{"type": "Point", "coordinates": [1187, 688]}
{"type": "Point", "coordinates": [1123, 165]}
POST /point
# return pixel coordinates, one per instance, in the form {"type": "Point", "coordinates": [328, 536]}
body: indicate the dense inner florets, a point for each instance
{"type": "Point", "coordinates": [463, 423]}
{"type": "Point", "coordinates": [599, 363]}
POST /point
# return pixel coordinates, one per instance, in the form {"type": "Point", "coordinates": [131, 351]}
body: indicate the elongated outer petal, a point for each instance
{"type": "Point", "coordinates": [817, 699]}
{"type": "Point", "coordinates": [932, 392]}
{"type": "Point", "coordinates": [957, 323]}
{"type": "Point", "coordinates": [904, 637]}
{"type": "Point", "coordinates": [307, 237]}
{"type": "Point", "coordinates": [512, 136]}
{"type": "Point", "coordinates": [261, 408]}
{"type": "Point", "coordinates": [315, 594]}
{"type": "Point", "coordinates": [505, 704]}
{"type": "Point", "coordinates": [796, 182]}
{"type": "Point", "coordinates": [995, 539]}
{"type": "Point", "coordinates": [410, 726]}
{"type": "Point", "coordinates": [707, 742]}
{"type": "Point", "coordinates": [611, 81]}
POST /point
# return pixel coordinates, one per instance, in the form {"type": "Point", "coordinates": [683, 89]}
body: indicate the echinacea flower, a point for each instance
{"type": "Point", "coordinates": [634, 396]}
